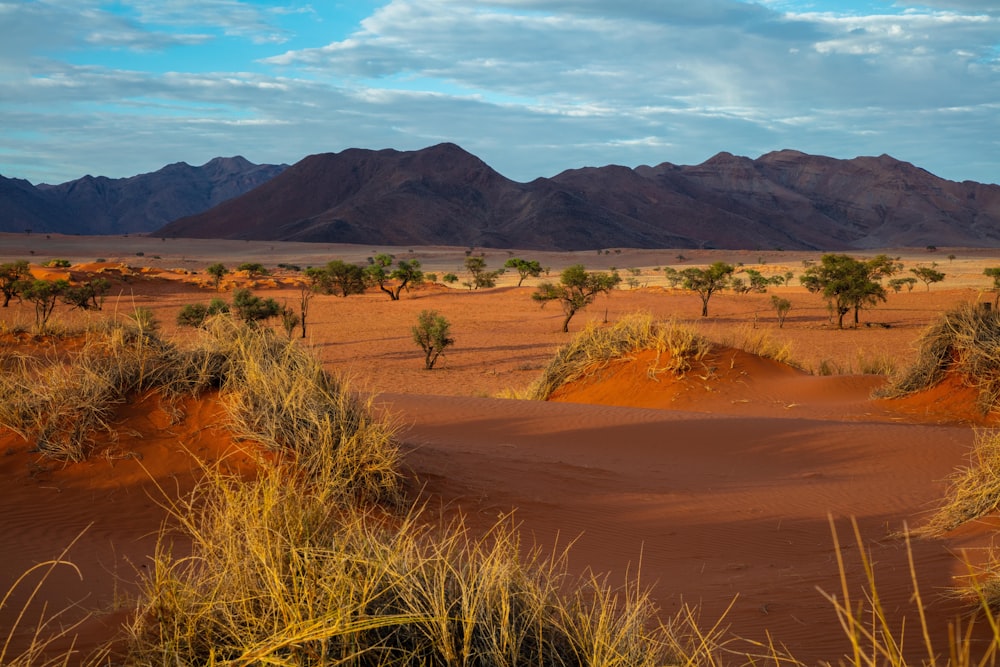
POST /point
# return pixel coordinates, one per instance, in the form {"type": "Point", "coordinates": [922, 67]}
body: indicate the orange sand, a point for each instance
{"type": "Point", "coordinates": [717, 487]}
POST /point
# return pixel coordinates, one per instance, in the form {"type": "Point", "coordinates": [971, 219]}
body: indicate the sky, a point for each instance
{"type": "Point", "coordinates": [532, 87]}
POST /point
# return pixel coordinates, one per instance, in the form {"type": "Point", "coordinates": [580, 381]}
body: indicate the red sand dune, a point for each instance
{"type": "Point", "coordinates": [109, 508]}
{"type": "Point", "coordinates": [717, 488]}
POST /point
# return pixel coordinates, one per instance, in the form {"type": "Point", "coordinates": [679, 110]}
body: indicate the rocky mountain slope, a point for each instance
{"type": "Point", "coordinates": [443, 195]}
{"type": "Point", "coordinates": [143, 203]}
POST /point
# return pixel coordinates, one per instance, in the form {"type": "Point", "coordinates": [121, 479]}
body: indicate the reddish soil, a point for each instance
{"type": "Point", "coordinates": [718, 487]}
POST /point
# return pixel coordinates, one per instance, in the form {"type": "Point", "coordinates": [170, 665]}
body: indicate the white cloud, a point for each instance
{"type": "Point", "coordinates": [532, 86]}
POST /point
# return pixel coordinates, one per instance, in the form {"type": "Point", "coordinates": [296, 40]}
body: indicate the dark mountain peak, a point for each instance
{"type": "Point", "coordinates": [142, 203]}
{"type": "Point", "coordinates": [443, 195]}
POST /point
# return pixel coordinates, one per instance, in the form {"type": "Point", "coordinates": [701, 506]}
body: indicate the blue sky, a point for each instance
{"type": "Point", "coordinates": [532, 87]}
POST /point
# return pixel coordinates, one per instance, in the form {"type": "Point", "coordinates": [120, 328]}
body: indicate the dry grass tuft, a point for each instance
{"type": "Point", "coordinates": [677, 348]}
{"type": "Point", "coordinates": [761, 343]}
{"type": "Point", "coordinates": [973, 490]}
{"type": "Point", "coordinates": [965, 341]}
{"type": "Point", "coordinates": [275, 392]}
{"type": "Point", "coordinates": [276, 575]}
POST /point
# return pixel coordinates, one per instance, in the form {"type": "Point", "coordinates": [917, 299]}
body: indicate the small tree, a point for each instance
{"type": "Point", "coordinates": [478, 275]}
{"type": "Point", "coordinates": [251, 308]}
{"type": "Point", "coordinates": [195, 314]}
{"type": "Point", "coordinates": [897, 284]}
{"type": "Point", "coordinates": [432, 334]}
{"type": "Point", "coordinates": [994, 273]}
{"type": "Point", "coordinates": [524, 268]}
{"type": "Point", "coordinates": [450, 278]}
{"type": "Point", "coordinates": [43, 294]}
{"type": "Point", "coordinates": [928, 274]}
{"type": "Point", "coordinates": [845, 283]}
{"type": "Point", "coordinates": [289, 320]}
{"type": "Point", "coordinates": [673, 276]}
{"type": "Point", "coordinates": [577, 289]}
{"type": "Point", "coordinates": [347, 279]}
{"type": "Point", "coordinates": [707, 282]}
{"type": "Point", "coordinates": [253, 269]}
{"type": "Point", "coordinates": [781, 308]}
{"type": "Point", "coordinates": [88, 295]}
{"type": "Point", "coordinates": [217, 271]}
{"type": "Point", "coordinates": [407, 272]}
{"type": "Point", "coordinates": [11, 273]}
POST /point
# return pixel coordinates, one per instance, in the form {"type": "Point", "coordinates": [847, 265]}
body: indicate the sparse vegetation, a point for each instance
{"type": "Point", "coordinates": [253, 269]}
{"type": "Point", "coordinates": [217, 271]}
{"type": "Point", "coordinates": [432, 334]}
{"type": "Point", "coordinates": [577, 289]}
{"type": "Point", "coordinates": [964, 341]}
{"type": "Point", "coordinates": [847, 283]}
{"type": "Point", "coordinates": [928, 274]}
{"type": "Point", "coordinates": [11, 275]}
{"type": "Point", "coordinates": [677, 348]}
{"type": "Point", "coordinates": [252, 308]}
{"type": "Point", "coordinates": [479, 276]}
{"type": "Point", "coordinates": [88, 295]}
{"type": "Point", "coordinates": [706, 282]}
{"type": "Point", "coordinates": [339, 277]}
{"type": "Point", "coordinates": [406, 273]}
{"type": "Point", "coordinates": [781, 307]}
{"type": "Point", "coordinates": [524, 268]}
{"type": "Point", "coordinates": [43, 294]}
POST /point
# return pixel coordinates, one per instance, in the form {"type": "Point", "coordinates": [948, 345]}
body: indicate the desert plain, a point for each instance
{"type": "Point", "coordinates": [721, 490]}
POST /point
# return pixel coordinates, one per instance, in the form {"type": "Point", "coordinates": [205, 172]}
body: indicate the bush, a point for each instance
{"type": "Point", "coordinates": [431, 333]}
{"type": "Point", "coordinates": [595, 346]}
{"type": "Point", "coordinates": [965, 341]}
{"type": "Point", "coordinates": [251, 308]}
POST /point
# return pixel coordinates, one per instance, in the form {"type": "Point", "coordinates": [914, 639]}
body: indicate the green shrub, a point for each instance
{"type": "Point", "coordinates": [432, 335]}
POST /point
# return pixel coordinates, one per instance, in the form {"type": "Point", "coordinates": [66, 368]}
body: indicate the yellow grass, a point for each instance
{"type": "Point", "coordinates": [677, 348]}
{"type": "Point", "coordinates": [964, 341]}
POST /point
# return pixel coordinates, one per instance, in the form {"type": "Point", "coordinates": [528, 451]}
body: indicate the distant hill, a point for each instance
{"type": "Point", "coordinates": [443, 195]}
{"type": "Point", "coordinates": [143, 203]}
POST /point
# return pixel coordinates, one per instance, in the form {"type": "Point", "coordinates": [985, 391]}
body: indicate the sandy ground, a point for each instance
{"type": "Point", "coordinates": [718, 489]}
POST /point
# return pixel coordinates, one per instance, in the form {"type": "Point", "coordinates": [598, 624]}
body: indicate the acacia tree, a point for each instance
{"type": "Point", "coordinates": [407, 272]}
{"type": "Point", "coordinates": [928, 274]}
{"type": "Point", "coordinates": [524, 268]}
{"type": "Point", "coordinates": [845, 283]}
{"type": "Point", "coordinates": [707, 281]}
{"type": "Point", "coordinates": [88, 295]}
{"type": "Point", "coordinates": [10, 274]}
{"type": "Point", "coordinates": [781, 308]}
{"type": "Point", "coordinates": [478, 275]}
{"type": "Point", "coordinates": [577, 288]}
{"type": "Point", "coordinates": [44, 294]}
{"type": "Point", "coordinates": [251, 308]}
{"type": "Point", "coordinates": [342, 277]}
{"type": "Point", "coordinates": [217, 271]}
{"type": "Point", "coordinates": [433, 334]}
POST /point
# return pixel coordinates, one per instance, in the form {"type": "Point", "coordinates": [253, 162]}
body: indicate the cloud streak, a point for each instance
{"type": "Point", "coordinates": [531, 86]}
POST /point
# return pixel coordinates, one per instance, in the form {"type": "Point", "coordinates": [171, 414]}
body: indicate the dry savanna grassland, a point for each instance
{"type": "Point", "coordinates": [653, 487]}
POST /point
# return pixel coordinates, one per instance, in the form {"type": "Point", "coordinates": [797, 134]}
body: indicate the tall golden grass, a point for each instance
{"type": "Point", "coordinates": [678, 347]}
{"type": "Point", "coordinates": [964, 341]}
{"type": "Point", "coordinates": [300, 567]}
{"type": "Point", "coordinates": [278, 575]}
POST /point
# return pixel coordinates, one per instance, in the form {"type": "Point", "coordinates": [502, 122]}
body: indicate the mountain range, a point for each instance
{"type": "Point", "coordinates": [443, 195]}
{"type": "Point", "coordinates": [144, 203]}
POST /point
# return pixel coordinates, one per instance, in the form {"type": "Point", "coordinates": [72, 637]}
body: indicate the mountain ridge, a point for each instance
{"type": "Point", "coordinates": [134, 204]}
{"type": "Point", "coordinates": [444, 195]}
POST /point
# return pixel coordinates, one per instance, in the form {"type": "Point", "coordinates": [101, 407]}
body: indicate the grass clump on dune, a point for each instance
{"type": "Point", "coordinates": [61, 403]}
{"type": "Point", "coordinates": [973, 490]}
{"type": "Point", "coordinates": [277, 575]}
{"type": "Point", "coordinates": [964, 341]}
{"type": "Point", "coordinates": [677, 348]}
{"type": "Point", "coordinates": [275, 393]}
